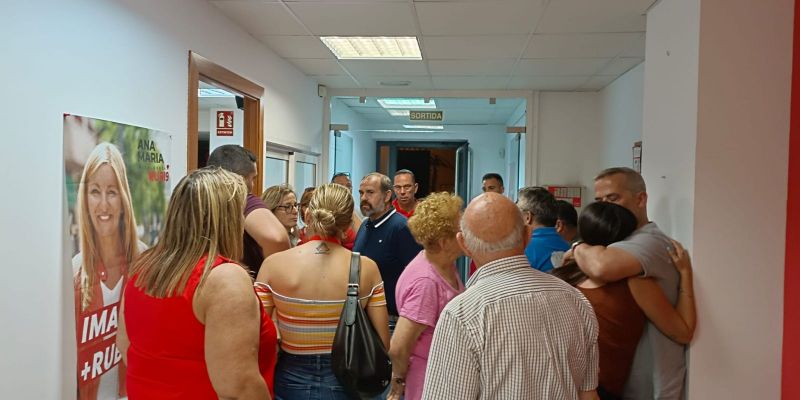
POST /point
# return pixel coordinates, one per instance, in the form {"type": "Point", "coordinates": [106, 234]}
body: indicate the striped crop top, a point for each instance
{"type": "Point", "coordinates": [307, 327]}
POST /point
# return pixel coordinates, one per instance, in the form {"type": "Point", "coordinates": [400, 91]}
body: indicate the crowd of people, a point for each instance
{"type": "Point", "coordinates": [242, 295]}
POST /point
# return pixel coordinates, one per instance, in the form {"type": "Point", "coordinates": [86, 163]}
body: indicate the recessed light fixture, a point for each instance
{"type": "Point", "coordinates": [373, 47]}
{"type": "Point", "coordinates": [407, 103]}
{"type": "Point", "coordinates": [395, 131]}
{"type": "Point", "coordinates": [394, 83]}
{"type": "Point", "coordinates": [214, 93]}
{"type": "Point", "coordinates": [423, 126]}
{"type": "Point", "coordinates": [399, 113]}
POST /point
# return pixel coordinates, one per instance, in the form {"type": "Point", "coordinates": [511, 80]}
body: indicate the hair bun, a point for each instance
{"type": "Point", "coordinates": [323, 220]}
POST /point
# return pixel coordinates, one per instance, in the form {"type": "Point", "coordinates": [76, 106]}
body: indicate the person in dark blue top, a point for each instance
{"type": "Point", "coordinates": [384, 237]}
{"type": "Point", "coordinates": [540, 212]}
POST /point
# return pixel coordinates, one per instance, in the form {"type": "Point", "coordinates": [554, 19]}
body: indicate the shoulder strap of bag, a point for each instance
{"type": "Point", "coordinates": [351, 304]}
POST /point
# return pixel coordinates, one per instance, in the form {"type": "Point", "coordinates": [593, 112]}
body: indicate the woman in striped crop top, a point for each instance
{"type": "Point", "coordinates": [306, 287]}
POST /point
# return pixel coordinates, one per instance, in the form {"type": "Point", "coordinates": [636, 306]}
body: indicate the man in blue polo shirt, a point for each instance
{"type": "Point", "coordinates": [384, 236]}
{"type": "Point", "coordinates": [540, 212]}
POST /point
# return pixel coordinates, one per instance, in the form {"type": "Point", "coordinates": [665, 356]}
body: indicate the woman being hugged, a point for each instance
{"type": "Point", "coordinates": [306, 286]}
{"type": "Point", "coordinates": [622, 307]}
{"type": "Point", "coordinates": [427, 284]}
{"type": "Point", "coordinates": [192, 327]}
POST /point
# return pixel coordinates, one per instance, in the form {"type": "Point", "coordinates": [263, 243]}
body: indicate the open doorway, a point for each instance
{"type": "Point", "coordinates": [238, 117]}
{"type": "Point", "coordinates": [438, 166]}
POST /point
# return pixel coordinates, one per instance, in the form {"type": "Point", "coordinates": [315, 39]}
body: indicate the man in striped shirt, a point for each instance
{"type": "Point", "coordinates": [515, 333]}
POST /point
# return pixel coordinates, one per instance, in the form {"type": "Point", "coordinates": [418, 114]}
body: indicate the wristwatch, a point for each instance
{"type": "Point", "coordinates": [398, 380]}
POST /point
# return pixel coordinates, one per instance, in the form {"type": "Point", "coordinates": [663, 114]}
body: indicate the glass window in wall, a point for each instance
{"type": "Point", "coordinates": [276, 171]}
{"type": "Point", "coordinates": [305, 175]}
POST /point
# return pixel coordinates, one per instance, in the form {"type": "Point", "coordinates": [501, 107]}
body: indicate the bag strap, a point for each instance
{"type": "Point", "coordinates": [351, 304]}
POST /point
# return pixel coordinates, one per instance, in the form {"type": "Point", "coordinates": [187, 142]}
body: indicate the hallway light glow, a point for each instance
{"type": "Point", "coordinates": [407, 103]}
{"type": "Point", "coordinates": [373, 48]}
{"type": "Point", "coordinates": [399, 113]}
{"type": "Point", "coordinates": [423, 126]}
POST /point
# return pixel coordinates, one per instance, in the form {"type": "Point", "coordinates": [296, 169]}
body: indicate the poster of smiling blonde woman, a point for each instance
{"type": "Point", "coordinates": [117, 185]}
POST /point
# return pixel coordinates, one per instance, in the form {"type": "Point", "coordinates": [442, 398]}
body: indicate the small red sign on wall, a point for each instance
{"type": "Point", "coordinates": [571, 194]}
{"type": "Point", "coordinates": [224, 123]}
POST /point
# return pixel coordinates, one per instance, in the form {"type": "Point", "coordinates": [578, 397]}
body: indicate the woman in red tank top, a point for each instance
{"type": "Point", "coordinates": [622, 307]}
{"type": "Point", "coordinates": [192, 326]}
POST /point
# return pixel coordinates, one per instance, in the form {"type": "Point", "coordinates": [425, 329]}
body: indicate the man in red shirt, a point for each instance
{"type": "Point", "coordinates": [405, 190]}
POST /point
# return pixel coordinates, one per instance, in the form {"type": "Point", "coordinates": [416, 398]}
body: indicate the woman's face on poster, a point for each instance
{"type": "Point", "coordinates": [104, 201]}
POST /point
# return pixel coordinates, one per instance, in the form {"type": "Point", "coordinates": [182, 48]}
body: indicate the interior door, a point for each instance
{"type": "Point", "coordinates": [463, 179]}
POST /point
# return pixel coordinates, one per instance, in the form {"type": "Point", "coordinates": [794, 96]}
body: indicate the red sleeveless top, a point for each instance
{"type": "Point", "coordinates": [166, 357]}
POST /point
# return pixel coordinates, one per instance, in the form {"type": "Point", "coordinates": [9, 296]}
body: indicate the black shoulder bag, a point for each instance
{"type": "Point", "coordinates": [358, 357]}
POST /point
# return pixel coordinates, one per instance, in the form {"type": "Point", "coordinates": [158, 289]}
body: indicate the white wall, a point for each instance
{"type": "Point", "coordinates": [488, 144]}
{"type": "Point", "coordinates": [119, 60]}
{"type": "Point", "coordinates": [363, 143]}
{"type": "Point", "coordinates": [716, 129]}
{"type": "Point", "coordinates": [621, 117]}
{"type": "Point", "coordinates": [569, 131]}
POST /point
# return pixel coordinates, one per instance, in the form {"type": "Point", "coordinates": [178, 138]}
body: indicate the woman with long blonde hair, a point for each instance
{"type": "Point", "coordinates": [192, 325]}
{"type": "Point", "coordinates": [108, 246]}
{"type": "Point", "coordinates": [281, 200]}
{"type": "Point", "coordinates": [307, 286]}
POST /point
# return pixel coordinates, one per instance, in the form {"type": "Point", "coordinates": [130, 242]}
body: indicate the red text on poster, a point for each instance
{"type": "Point", "coordinates": [97, 348]}
{"type": "Point", "coordinates": [224, 123]}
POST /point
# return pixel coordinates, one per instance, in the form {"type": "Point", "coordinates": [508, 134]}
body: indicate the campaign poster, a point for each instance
{"type": "Point", "coordinates": [117, 179]}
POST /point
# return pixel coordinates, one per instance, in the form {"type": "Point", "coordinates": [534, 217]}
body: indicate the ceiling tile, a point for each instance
{"type": "Point", "coordinates": [470, 82]}
{"type": "Point", "coordinates": [598, 82]}
{"type": "Point", "coordinates": [620, 66]}
{"type": "Point", "coordinates": [297, 46]}
{"type": "Point", "coordinates": [313, 66]}
{"type": "Point", "coordinates": [571, 16]}
{"type": "Point", "coordinates": [561, 66]}
{"type": "Point", "coordinates": [566, 83]}
{"type": "Point", "coordinates": [597, 45]}
{"type": "Point", "coordinates": [473, 47]}
{"type": "Point", "coordinates": [363, 19]}
{"type": "Point", "coordinates": [385, 67]}
{"type": "Point", "coordinates": [478, 18]}
{"type": "Point", "coordinates": [471, 67]}
{"type": "Point", "coordinates": [259, 18]}
{"type": "Point", "coordinates": [335, 81]}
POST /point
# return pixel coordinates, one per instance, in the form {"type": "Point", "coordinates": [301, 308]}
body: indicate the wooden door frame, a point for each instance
{"type": "Point", "coordinates": [201, 69]}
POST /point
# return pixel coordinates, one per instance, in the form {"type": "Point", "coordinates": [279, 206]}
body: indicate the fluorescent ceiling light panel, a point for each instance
{"type": "Point", "coordinates": [407, 103]}
{"type": "Point", "coordinates": [399, 113]}
{"type": "Point", "coordinates": [214, 93]}
{"type": "Point", "coordinates": [373, 47]}
{"type": "Point", "coordinates": [423, 126]}
{"type": "Point", "coordinates": [395, 131]}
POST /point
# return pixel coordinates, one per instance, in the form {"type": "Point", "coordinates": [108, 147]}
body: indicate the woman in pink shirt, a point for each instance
{"type": "Point", "coordinates": [427, 284]}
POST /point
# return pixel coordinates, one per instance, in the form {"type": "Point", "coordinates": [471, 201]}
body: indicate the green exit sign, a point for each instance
{"type": "Point", "coordinates": [426, 115]}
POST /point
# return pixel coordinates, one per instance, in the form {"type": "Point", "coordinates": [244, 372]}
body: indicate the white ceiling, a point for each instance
{"type": "Point", "coordinates": [466, 44]}
{"type": "Point", "coordinates": [457, 111]}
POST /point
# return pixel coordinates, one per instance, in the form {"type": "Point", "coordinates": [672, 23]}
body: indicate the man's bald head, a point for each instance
{"type": "Point", "coordinates": [492, 228]}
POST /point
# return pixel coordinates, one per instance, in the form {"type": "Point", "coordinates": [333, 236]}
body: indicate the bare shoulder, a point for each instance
{"type": "Point", "coordinates": [369, 270]}
{"type": "Point", "coordinates": [227, 279]}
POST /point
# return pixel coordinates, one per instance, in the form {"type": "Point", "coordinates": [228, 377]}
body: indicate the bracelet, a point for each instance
{"type": "Point", "coordinates": [398, 380]}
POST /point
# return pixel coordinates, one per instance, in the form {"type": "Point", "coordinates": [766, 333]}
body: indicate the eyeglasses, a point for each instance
{"type": "Point", "coordinates": [288, 207]}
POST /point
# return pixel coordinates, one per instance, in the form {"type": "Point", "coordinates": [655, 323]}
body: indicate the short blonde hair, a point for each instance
{"type": "Point", "coordinates": [330, 211]}
{"type": "Point", "coordinates": [274, 194]}
{"type": "Point", "coordinates": [435, 218]}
